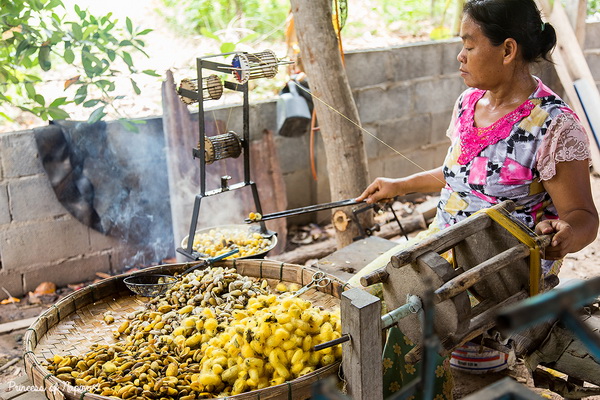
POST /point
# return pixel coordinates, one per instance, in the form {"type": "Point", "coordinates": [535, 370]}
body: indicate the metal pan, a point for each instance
{"type": "Point", "coordinates": [224, 229]}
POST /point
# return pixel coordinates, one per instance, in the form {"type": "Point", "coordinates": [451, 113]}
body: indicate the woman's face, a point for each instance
{"type": "Point", "coordinates": [480, 61]}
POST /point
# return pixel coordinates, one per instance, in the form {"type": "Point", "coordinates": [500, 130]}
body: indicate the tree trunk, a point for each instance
{"type": "Point", "coordinates": [344, 148]}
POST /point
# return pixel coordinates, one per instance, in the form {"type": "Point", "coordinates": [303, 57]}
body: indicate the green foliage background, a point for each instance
{"type": "Point", "coordinates": [38, 37]}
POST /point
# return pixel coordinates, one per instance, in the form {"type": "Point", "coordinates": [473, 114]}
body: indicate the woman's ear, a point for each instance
{"type": "Point", "coordinates": [510, 50]}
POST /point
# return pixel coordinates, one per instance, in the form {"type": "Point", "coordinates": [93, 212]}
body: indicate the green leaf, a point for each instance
{"type": "Point", "coordinates": [76, 29]}
{"type": "Point", "coordinates": [145, 32]}
{"type": "Point", "coordinates": [6, 117]}
{"type": "Point", "coordinates": [151, 72]}
{"type": "Point", "coordinates": [136, 89]}
{"type": "Point", "coordinates": [56, 20]}
{"type": "Point", "coordinates": [23, 108]}
{"type": "Point", "coordinates": [209, 34]}
{"type": "Point", "coordinates": [52, 4]}
{"type": "Point", "coordinates": [89, 30]}
{"type": "Point", "coordinates": [91, 103]}
{"type": "Point", "coordinates": [249, 37]}
{"type": "Point", "coordinates": [57, 113]}
{"type": "Point", "coordinates": [33, 78]}
{"type": "Point", "coordinates": [44, 58]}
{"type": "Point", "coordinates": [227, 47]}
{"type": "Point", "coordinates": [96, 115]}
{"type": "Point", "coordinates": [81, 94]}
{"type": "Point", "coordinates": [127, 58]}
{"type": "Point", "coordinates": [125, 43]}
{"type": "Point", "coordinates": [69, 56]}
{"type": "Point", "coordinates": [21, 47]}
{"type": "Point", "coordinates": [30, 89]}
{"type": "Point", "coordinates": [58, 102]}
{"type": "Point", "coordinates": [128, 125]}
{"type": "Point", "coordinates": [112, 55]}
{"type": "Point", "coordinates": [81, 13]}
{"type": "Point", "coordinates": [129, 25]}
{"type": "Point", "coordinates": [40, 99]}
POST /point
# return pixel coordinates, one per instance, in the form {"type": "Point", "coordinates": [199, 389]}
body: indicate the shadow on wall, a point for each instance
{"type": "Point", "coordinates": [113, 181]}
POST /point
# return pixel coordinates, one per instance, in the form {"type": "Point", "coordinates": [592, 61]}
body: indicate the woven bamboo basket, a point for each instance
{"type": "Point", "coordinates": [75, 322]}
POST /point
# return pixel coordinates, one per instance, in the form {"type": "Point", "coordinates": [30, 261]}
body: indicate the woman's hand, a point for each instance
{"type": "Point", "coordinates": [386, 189]}
{"type": "Point", "coordinates": [381, 189]}
{"type": "Point", "coordinates": [561, 241]}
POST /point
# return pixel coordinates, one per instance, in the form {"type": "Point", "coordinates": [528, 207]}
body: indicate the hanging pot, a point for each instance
{"type": "Point", "coordinates": [293, 114]}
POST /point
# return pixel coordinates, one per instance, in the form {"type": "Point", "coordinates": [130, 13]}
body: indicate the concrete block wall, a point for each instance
{"type": "Point", "coordinates": [39, 239]}
{"type": "Point", "coordinates": [406, 105]}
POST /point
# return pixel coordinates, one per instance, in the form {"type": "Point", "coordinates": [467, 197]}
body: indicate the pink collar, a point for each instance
{"type": "Point", "coordinates": [474, 139]}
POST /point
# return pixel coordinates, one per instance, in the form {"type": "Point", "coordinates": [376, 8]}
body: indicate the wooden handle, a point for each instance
{"type": "Point", "coordinates": [470, 277]}
{"type": "Point", "coordinates": [544, 241]}
{"type": "Point", "coordinates": [377, 276]}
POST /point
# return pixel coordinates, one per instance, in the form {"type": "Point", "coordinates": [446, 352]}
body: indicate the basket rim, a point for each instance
{"type": "Point", "coordinates": [129, 279]}
{"type": "Point", "coordinates": [35, 369]}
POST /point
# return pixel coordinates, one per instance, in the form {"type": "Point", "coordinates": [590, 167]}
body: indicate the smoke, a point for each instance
{"type": "Point", "coordinates": [117, 184]}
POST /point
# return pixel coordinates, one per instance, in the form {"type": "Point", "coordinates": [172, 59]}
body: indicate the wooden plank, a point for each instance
{"type": "Point", "coordinates": [15, 325]}
{"type": "Point", "coordinates": [361, 359]}
{"type": "Point", "coordinates": [590, 100]}
{"type": "Point", "coordinates": [349, 260]}
{"type": "Point", "coordinates": [577, 12]}
{"type": "Point", "coordinates": [266, 172]}
{"type": "Point", "coordinates": [442, 241]}
{"type": "Point", "coordinates": [470, 277]}
{"type": "Point", "coordinates": [181, 135]}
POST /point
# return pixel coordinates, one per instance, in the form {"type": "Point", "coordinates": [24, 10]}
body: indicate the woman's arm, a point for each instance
{"type": "Point", "coordinates": [571, 194]}
{"type": "Point", "coordinates": [386, 188]}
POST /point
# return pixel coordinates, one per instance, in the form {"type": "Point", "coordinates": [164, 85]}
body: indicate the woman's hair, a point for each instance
{"type": "Point", "coordinates": [517, 19]}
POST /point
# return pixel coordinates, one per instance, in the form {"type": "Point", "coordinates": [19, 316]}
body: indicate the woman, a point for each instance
{"type": "Point", "coordinates": [511, 137]}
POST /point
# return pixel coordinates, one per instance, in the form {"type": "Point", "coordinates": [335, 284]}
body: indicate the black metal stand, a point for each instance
{"type": "Point", "coordinates": [203, 63]}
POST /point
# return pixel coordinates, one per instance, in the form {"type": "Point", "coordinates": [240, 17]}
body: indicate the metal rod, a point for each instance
{"type": "Point", "coordinates": [549, 305]}
{"type": "Point", "coordinates": [412, 306]}
{"type": "Point", "coordinates": [211, 260]}
{"type": "Point", "coordinates": [304, 210]}
{"type": "Point", "coordinates": [344, 338]}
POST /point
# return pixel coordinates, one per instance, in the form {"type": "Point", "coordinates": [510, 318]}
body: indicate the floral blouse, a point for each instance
{"type": "Point", "coordinates": [509, 159]}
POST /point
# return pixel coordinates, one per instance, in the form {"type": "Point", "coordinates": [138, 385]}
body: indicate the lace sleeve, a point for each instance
{"type": "Point", "coordinates": [565, 141]}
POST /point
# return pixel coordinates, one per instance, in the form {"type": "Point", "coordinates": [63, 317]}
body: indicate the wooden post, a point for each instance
{"type": "Point", "coordinates": [181, 135]}
{"type": "Point", "coordinates": [577, 12]}
{"type": "Point", "coordinates": [361, 360]}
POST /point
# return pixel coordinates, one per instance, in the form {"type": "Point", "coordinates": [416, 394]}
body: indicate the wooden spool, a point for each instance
{"type": "Point", "coordinates": [490, 262]}
{"type": "Point", "coordinates": [76, 322]}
